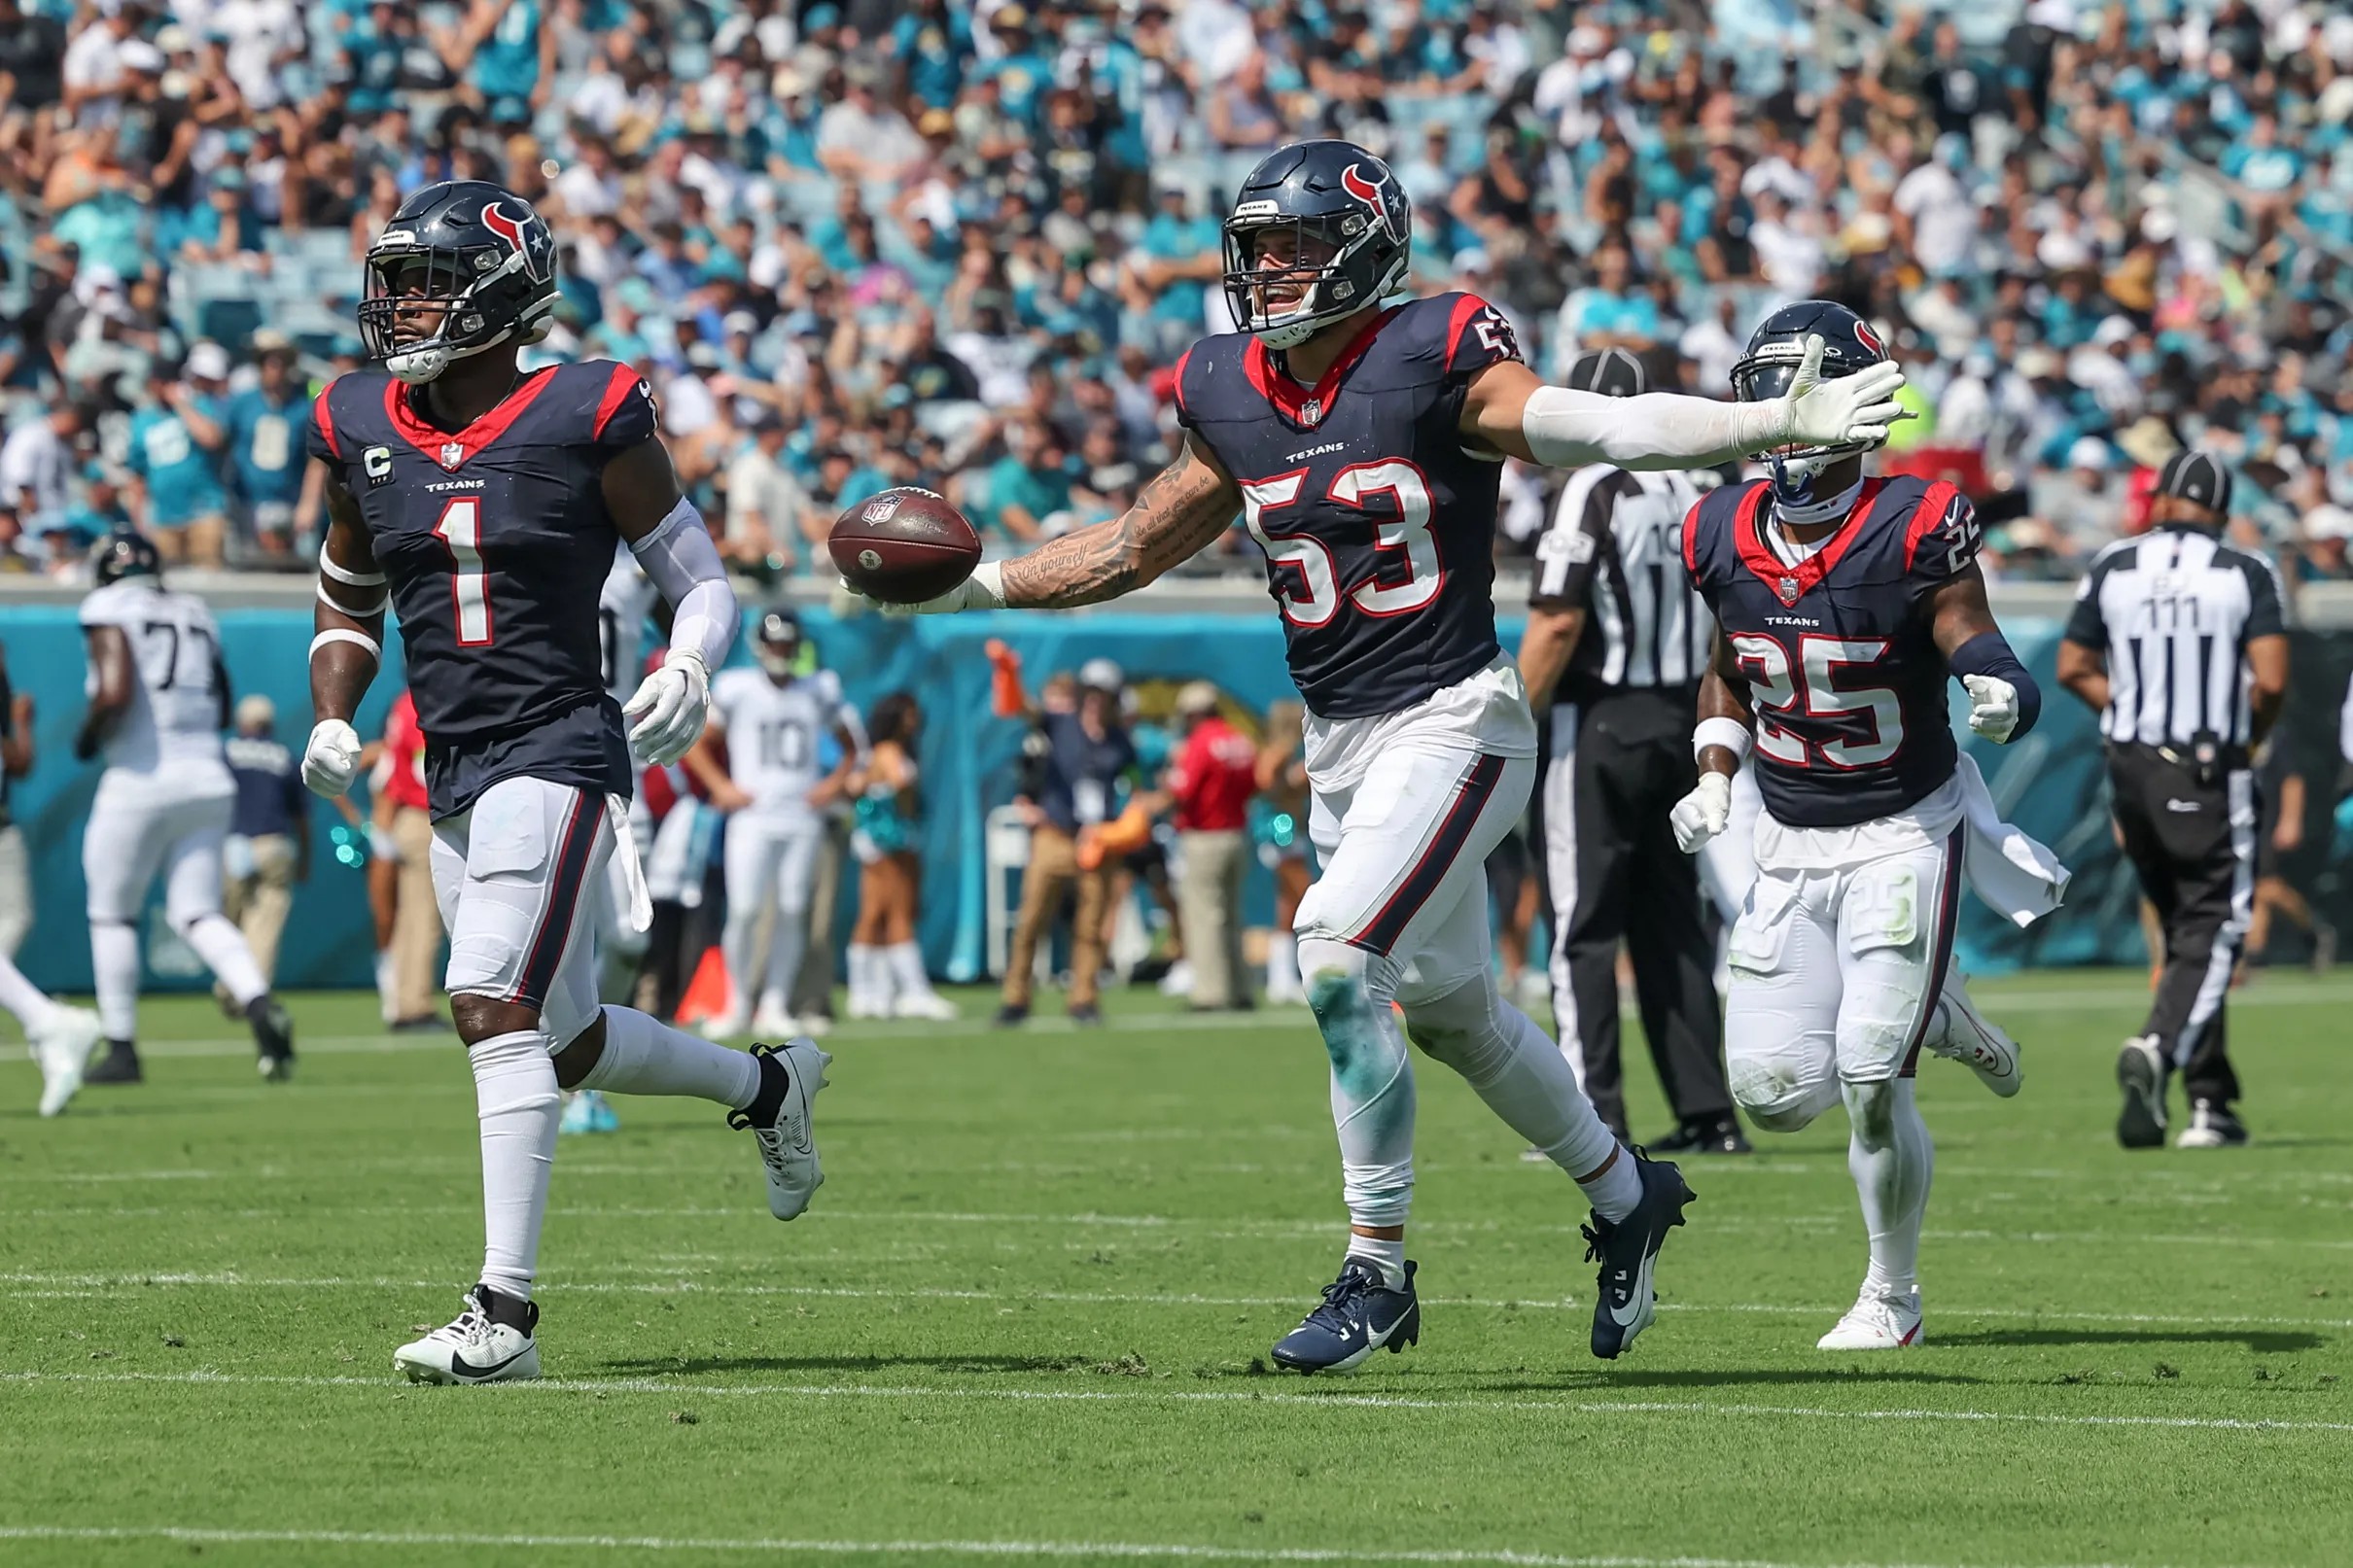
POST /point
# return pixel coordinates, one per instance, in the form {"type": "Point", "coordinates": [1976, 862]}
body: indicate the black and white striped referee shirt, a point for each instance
{"type": "Point", "coordinates": [2173, 611]}
{"type": "Point", "coordinates": [1614, 551]}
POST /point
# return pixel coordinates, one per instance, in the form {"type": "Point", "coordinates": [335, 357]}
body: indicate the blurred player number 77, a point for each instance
{"type": "Point", "coordinates": [904, 546]}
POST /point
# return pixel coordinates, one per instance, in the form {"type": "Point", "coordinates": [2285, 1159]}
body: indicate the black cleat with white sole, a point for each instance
{"type": "Point", "coordinates": [119, 1066]}
{"type": "Point", "coordinates": [1359, 1314]}
{"type": "Point", "coordinates": [2140, 1072]}
{"type": "Point", "coordinates": [273, 1038]}
{"type": "Point", "coordinates": [1628, 1249]}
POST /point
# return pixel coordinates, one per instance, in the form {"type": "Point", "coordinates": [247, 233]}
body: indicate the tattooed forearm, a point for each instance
{"type": "Point", "coordinates": [1178, 513]}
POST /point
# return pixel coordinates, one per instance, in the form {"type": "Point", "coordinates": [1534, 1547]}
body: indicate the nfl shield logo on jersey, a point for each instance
{"type": "Point", "coordinates": [1311, 412]}
{"type": "Point", "coordinates": [453, 453]}
{"type": "Point", "coordinates": [1787, 588]}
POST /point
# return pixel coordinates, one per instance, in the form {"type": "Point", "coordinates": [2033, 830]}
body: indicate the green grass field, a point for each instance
{"type": "Point", "coordinates": [1027, 1317]}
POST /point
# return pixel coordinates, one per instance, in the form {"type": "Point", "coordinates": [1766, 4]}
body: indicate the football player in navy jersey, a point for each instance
{"type": "Point", "coordinates": [482, 506]}
{"type": "Point", "coordinates": [1843, 606]}
{"type": "Point", "coordinates": [1361, 440]}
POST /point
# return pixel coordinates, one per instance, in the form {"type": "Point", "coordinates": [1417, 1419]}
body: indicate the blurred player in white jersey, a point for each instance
{"type": "Point", "coordinates": [158, 700]}
{"type": "Point", "coordinates": [759, 759]}
{"type": "Point", "coordinates": [621, 608]}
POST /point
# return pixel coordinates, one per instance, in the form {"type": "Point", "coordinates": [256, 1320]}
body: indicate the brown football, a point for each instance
{"type": "Point", "coordinates": [904, 546]}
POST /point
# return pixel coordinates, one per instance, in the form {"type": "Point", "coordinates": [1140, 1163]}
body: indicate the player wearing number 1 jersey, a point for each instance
{"type": "Point", "coordinates": [1844, 607]}
{"type": "Point", "coordinates": [482, 506]}
{"type": "Point", "coordinates": [1361, 441]}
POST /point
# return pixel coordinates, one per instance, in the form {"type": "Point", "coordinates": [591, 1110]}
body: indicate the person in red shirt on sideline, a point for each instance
{"type": "Point", "coordinates": [1210, 783]}
{"type": "Point", "coordinates": [400, 880]}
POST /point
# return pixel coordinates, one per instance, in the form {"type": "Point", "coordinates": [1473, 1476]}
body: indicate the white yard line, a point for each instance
{"type": "Point", "coordinates": [37, 1284]}
{"type": "Point", "coordinates": [1709, 1408]}
{"type": "Point", "coordinates": [780, 1546]}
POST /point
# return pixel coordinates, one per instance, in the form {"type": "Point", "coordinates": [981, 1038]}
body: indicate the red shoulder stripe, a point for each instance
{"type": "Point", "coordinates": [1469, 305]}
{"type": "Point", "coordinates": [1925, 516]}
{"type": "Point", "coordinates": [1182, 359]}
{"type": "Point", "coordinates": [1691, 541]}
{"type": "Point", "coordinates": [623, 382]}
{"type": "Point", "coordinates": [323, 409]}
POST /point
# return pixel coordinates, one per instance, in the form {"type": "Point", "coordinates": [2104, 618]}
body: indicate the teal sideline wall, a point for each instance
{"type": "Point", "coordinates": [2050, 783]}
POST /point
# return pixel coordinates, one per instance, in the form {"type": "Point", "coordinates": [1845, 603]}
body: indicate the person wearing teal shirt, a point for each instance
{"type": "Point", "coordinates": [1028, 484]}
{"type": "Point", "coordinates": [265, 449]}
{"type": "Point", "coordinates": [174, 461]}
{"type": "Point", "coordinates": [512, 53]}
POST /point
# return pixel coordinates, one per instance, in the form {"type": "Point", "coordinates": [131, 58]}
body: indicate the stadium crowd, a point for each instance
{"type": "Point", "coordinates": [894, 241]}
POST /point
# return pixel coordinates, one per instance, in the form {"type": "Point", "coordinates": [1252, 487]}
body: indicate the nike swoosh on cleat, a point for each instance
{"type": "Point", "coordinates": [1625, 1317]}
{"type": "Point", "coordinates": [459, 1365]}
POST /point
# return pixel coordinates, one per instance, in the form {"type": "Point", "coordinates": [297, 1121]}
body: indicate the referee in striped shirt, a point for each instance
{"type": "Point", "coordinates": [2179, 642]}
{"type": "Point", "coordinates": [1616, 643]}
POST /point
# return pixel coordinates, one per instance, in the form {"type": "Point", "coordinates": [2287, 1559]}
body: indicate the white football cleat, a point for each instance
{"type": "Point", "coordinates": [928, 1005]}
{"type": "Point", "coordinates": [1960, 1033]}
{"type": "Point", "coordinates": [869, 1006]}
{"type": "Point", "coordinates": [62, 1046]}
{"type": "Point", "coordinates": [725, 1027]}
{"type": "Point", "coordinates": [776, 1022]}
{"type": "Point", "coordinates": [785, 1149]}
{"type": "Point", "coordinates": [473, 1348]}
{"type": "Point", "coordinates": [1876, 1323]}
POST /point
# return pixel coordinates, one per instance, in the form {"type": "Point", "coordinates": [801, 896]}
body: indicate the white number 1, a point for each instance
{"type": "Point", "coordinates": [461, 530]}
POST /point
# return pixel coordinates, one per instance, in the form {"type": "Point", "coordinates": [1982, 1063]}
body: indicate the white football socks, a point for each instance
{"type": "Point", "coordinates": [1387, 1251]}
{"type": "Point", "coordinates": [644, 1056]}
{"type": "Point", "coordinates": [22, 998]}
{"type": "Point", "coordinates": [1372, 1078]}
{"type": "Point", "coordinates": [1524, 1078]}
{"type": "Point", "coordinates": [1892, 1158]}
{"type": "Point", "coordinates": [113, 961]}
{"type": "Point", "coordinates": [223, 949]}
{"type": "Point", "coordinates": [515, 1097]}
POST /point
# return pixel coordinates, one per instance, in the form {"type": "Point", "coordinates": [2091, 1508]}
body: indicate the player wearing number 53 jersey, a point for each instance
{"type": "Point", "coordinates": [160, 698]}
{"type": "Point", "coordinates": [1359, 441]}
{"type": "Point", "coordinates": [482, 506]}
{"type": "Point", "coordinates": [1843, 606]}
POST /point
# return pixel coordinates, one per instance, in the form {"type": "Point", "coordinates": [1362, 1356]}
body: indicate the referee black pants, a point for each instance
{"type": "Point", "coordinates": [1618, 767]}
{"type": "Point", "coordinates": [2194, 846]}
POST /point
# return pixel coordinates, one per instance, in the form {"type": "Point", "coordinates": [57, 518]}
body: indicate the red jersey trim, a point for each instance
{"type": "Point", "coordinates": [324, 412]}
{"type": "Point", "coordinates": [1290, 399]}
{"type": "Point", "coordinates": [1691, 542]}
{"type": "Point", "coordinates": [1469, 305]}
{"type": "Point", "coordinates": [1177, 387]}
{"type": "Point", "coordinates": [623, 382]}
{"type": "Point", "coordinates": [1809, 573]}
{"type": "Point", "coordinates": [1926, 515]}
{"type": "Point", "coordinates": [431, 440]}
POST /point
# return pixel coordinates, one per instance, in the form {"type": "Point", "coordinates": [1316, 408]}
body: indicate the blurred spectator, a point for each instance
{"type": "Point", "coordinates": [769, 514]}
{"type": "Point", "coordinates": [406, 971]}
{"type": "Point", "coordinates": [1211, 782]}
{"type": "Point", "coordinates": [268, 846]}
{"type": "Point", "coordinates": [1084, 761]}
{"type": "Point", "coordinates": [36, 465]}
{"type": "Point", "coordinates": [16, 761]}
{"type": "Point", "coordinates": [2321, 553]}
{"type": "Point", "coordinates": [176, 495]}
{"type": "Point", "coordinates": [265, 446]}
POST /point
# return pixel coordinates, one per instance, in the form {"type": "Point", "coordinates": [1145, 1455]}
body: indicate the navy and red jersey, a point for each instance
{"type": "Point", "coordinates": [495, 542]}
{"type": "Point", "coordinates": [1377, 522]}
{"type": "Point", "coordinates": [1840, 648]}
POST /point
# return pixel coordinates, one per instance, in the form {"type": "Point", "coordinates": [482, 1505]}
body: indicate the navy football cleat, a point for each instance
{"type": "Point", "coordinates": [1360, 1315]}
{"type": "Point", "coordinates": [1627, 1252]}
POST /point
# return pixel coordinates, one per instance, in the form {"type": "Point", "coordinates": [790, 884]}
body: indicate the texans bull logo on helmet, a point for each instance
{"type": "Point", "coordinates": [535, 243]}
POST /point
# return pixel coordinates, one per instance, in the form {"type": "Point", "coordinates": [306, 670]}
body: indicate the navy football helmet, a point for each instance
{"type": "Point", "coordinates": [122, 555]}
{"type": "Point", "coordinates": [475, 254]}
{"type": "Point", "coordinates": [777, 644]}
{"type": "Point", "coordinates": [1352, 230]}
{"type": "Point", "coordinates": [1850, 344]}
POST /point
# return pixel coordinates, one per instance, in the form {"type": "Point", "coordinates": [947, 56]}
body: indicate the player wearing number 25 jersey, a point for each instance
{"type": "Point", "coordinates": [1359, 437]}
{"type": "Point", "coordinates": [483, 506]}
{"type": "Point", "coordinates": [1844, 607]}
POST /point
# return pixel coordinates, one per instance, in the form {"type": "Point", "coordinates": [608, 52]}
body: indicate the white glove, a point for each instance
{"type": "Point", "coordinates": [666, 711]}
{"type": "Point", "coordinates": [1992, 706]}
{"type": "Point", "coordinates": [1842, 412]}
{"type": "Point", "coordinates": [1703, 814]}
{"type": "Point", "coordinates": [984, 589]}
{"type": "Point", "coordinates": [332, 759]}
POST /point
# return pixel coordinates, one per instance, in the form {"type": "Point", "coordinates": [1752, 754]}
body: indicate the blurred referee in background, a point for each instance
{"type": "Point", "coordinates": [2179, 642]}
{"type": "Point", "coordinates": [1616, 644]}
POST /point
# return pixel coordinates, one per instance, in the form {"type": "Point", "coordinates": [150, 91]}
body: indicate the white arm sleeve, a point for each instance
{"type": "Point", "coordinates": [684, 565]}
{"type": "Point", "coordinates": [1659, 429]}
